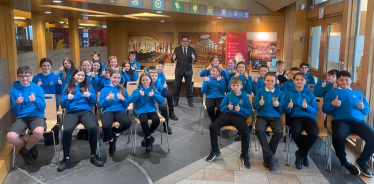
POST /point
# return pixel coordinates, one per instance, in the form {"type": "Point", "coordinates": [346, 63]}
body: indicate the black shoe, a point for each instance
{"type": "Point", "coordinates": [63, 165]}
{"type": "Point", "coordinates": [306, 161]}
{"type": "Point", "coordinates": [95, 160]}
{"type": "Point", "coordinates": [245, 161]}
{"type": "Point", "coordinates": [149, 143]}
{"type": "Point", "coordinates": [266, 161]}
{"type": "Point", "coordinates": [365, 170]}
{"type": "Point", "coordinates": [112, 146]}
{"type": "Point", "coordinates": [351, 167]}
{"type": "Point", "coordinates": [175, 104]}
{"type": "Point", "coordinates": [26, 155]}
{"type": "Point", "coordinates": [173, 117]}
{"type": "Point", "coordinates": [191, 104]}
{"type": "Point", "coordinates": [299, 161]}
{"type": "Point", "coordinates": [238, 137]}
{"type": "Point", "coordinates": [143, 143]}
{"type": "Point", "coordinates": [169, 130]}
{"type": "Point", "coordinates": [272, 163]}
{"type": "Point", "coordinates": [213, 155]}
{"type": "Point", "coordinates": [34, 152]}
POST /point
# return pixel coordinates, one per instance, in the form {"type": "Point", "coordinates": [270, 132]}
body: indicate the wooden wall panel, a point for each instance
{"type": "Point", "coordinates": [74, 40]}
{"type": "Point", "coordinates": [39, 45]}
{"type": "Point", "coordinates": [289, 26]}
{"type": "Point", "coordinates": [300, 30]}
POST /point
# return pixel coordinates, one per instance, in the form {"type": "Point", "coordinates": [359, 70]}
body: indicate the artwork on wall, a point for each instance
{"type": "Point", "coordinates": [262, 48]}
{"type": "Point", "coordinates": [151, 46]}
{"type": "Point", "coordinates": [207, 45]}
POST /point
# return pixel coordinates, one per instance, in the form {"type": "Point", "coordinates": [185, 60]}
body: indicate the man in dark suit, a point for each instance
{"type": "Point", "coordinates": [184, 55]}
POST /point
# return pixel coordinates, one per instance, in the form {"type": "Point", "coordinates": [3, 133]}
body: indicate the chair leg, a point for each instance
{"type": "Point", "coordinates": [320, 144]}
{"type": "Point", "coordinates": [255, 142]}
{"type": "Point", "coordinates": [54, 145]}
{"type": "Point", "coordinates": [220, 137]}
{"type": "Point", "coordinates": [134, 147]}
{"type": "Point", "coordinates": [167, 136]}
{"type": "Point", "coordinates": [98, 144]}
{"type": "Point", "coordinates": [14, 156]}
{"type": "Point", "coordinates": [61, 137]}
{"type": "Point", "coordinates": [288, 146]}
{"type": "Point", "coordinates": [128, 137]}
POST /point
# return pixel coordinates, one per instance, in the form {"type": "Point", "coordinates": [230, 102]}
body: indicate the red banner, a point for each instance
{"type": "Point", "coordinates": [236, 45]}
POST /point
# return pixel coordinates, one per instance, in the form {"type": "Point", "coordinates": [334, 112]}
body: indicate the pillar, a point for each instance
{"type": "Point", "coordinates": [38, 31]}
{"type": "Point", "coordinates": [74, 40]}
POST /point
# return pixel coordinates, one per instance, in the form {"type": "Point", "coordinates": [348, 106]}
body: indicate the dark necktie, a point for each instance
{"type": "Point", "coordinates": [185, 51]}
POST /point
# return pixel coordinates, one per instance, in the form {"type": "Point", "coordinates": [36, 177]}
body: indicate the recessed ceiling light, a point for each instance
{"type": "Point", "coordinates": [19, 18]}
{"type": "Point", "coordinates": [218, 17]}
{"type": "Point", "coordinates": [158, 11]}
{"type": "Point", "coordinates": [48, 12]}
{"type": "Point", "coordinates": [57, 1]}
{"type": "Point", "coordinates": [162, 21]}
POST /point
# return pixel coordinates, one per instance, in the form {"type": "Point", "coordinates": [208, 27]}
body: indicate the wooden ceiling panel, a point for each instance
{"type": "Point", "coordinates": [275, 5]}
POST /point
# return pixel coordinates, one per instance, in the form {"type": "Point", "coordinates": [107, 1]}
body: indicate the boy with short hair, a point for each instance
{"type": "Point", "coordinates": [324, 86]}
{"type": "Point", "coordinates": [348, 108]}
{"type": "Point", "coordinates": [289, 85]}
{"type": "Point", "coordinates": [235, 108]}
{"type": "Point", "coordinates": [304, 67]}
{"type": "Point", "coordinates": [280, 73]}
{"type": "Point", "coordinates": [28, 104]}
{"type": "Point", "coordinates": [134, 64]}
{"type": "Point", "coordinates": [162, 89]}
{"type": "Point", "coordinates": [258, 82]}
{"type": "Point", "coordinates": [269, 103]}
{"type": "Point", "coordinates": [96, 57]}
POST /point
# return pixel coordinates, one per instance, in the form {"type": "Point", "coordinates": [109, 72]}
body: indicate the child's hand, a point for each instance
{"type": "Point", "coordinates": [135, 67]}
{"type": "Point", "coordinates": [207, 79]}
{"type": "Point", "coordinates": [237, 108]}
{"type": "Point", "coordinates": [233, 71]}
{"type": "Point", "coordinates": [361, 104]}
{"type": "Point", "coordinates": [219, 78]}
{"type": "Point", "coordinates": [165, 86]}
{"type": "Point", "coordinates": [141, 92]}
{"type": "Point", "coordinates": [285, 75]}
{"type": "Point", "coordinates": [32, 97]}
{"type": "Point", "coordinates": [246, 75]}
{"type": "Point", "coordinates": [150, 93]}
{"type": "Point", "coordinates": [237, 74]}
{"type": "Point", "coordinates": [61, 68]}
{"type": "Point", "coordinates": [335, 86]}
{"type": "Point", "coordinates": [209, 67]}
{"type": "Point", "coordinates": [86, 93]}
{"type": "Point", "coordinates": [305, 105]}
{"type": "Point", "coordinates": [93, 74]}
{"type": "Point", "coordinates": [262, 102]}
{"type": "Point", "coordinates": [277, 81]}
{"type": "Point", "coordinates": [323, 84]}
{"type": "Point", "coordinates": [110, 96]}
{"type": "Point", "coordinates": [336, 102]}
{"type": "Point", "coordinates": [229, 72]}
{"type": "Point", "coordinates": [40, 82]}
{"type": "Point", "coordinates": [19, 99]}
{"type": "Point", "coordinates": [276, 102]}
{"type": "Point", "coordinates": [255, 79]}
{"type": "Point", "coordinates": [220, 67]}
{"type": "Point", "coordinates": [120, 96]}
{"type": "Point", "coordinates": [290, 105]}
{"type": "Point", "coordinates": [123, 69]}
{"type": "Point", "coordinates": [59, 81]}
{"type": "Point", "coordinates": [70, 96]}
{"type": "Point", "coordinates": [230, 106]}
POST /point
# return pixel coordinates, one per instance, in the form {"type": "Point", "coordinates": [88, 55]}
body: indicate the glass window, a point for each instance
{"type": "Point", "coordinates": [333, 46]}
{"type": "Point", "coordinates": [23, 31]}
{"type": "Point", "coordinates": [359, 41]}
{"type": "Point", "coordinates": [314, 47]}
{"type": "Point", "coordinates": [319, 1]}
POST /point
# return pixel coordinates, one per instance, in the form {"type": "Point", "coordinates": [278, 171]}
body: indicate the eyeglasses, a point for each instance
{"type": "Point", "coordinates": [184, 41]}
{"type": "Point", "coordinates": [24, 76]}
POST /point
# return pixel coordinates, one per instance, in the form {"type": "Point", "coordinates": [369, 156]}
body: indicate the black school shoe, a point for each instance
{"type": "Point", "coordinates": [272, 163]}
{"type": "Point", "coordinates": [306, 160]}
{"type": "Point", "coordinates": [266, 161]}
{"type": "Point", "coordinates": [26, 155]}
{"type": "Point", "coordinates": [34, 152]}
{"type": "Point", "coordinates": [112, 146]}
{"type": "Point", "coordinates": [245, 161]}
{"type": "Point", "coordinates": [173, 116]}
{"type": "Point", "coordinates": [63, 164]}
{"type": "Point", "coordinates": [299, 161]}
{"type": "Point", "coordinates": [149, 144]}
{"type": "Point", "coordinates": [213, 155]}
{"type": "Point", "coordinates": [83, 135]}
{"type": "Point", "coordinates": [365, 170]}
{"type": "Point", "coordinates": [95, 160]}
{"type": "Point", "coordinates": [169, 130]}
{"type": "Point", "coordinates": [143, 143]}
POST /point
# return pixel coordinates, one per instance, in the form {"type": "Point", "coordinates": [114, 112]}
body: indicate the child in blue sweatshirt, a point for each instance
{"type": "Point", "coordinates": [324, 86]}
{"type": "Point", "coordinates": [235, 108]}
{"type": "Point", "coordinates": [145, 108]}
{"type": "Point", "coordinates": [348, 108]}
{"type": "Point", "coordinates": [214, 88]}
{"type": "Point", "coordinates": [96, 58]}
{"type": "Point", "coordinates": [128, 73]}
{"type": "Point", "coordinates": [169, 97]}
{"type": "Point", "coordinates": [134, 64]}
{"type": "Point", "coordinates": [162, 88]}
{"type": "Point", "coordinates": [96, 68]}
{"type": "Point", "coordinates": [245, 78]}
{"type": "Point", "coordinates": [290, 85]}
{"type": "Point", "coordinates": [301, 105]}
{"type": "Point", "coordinates": [27, 103]}
{"type": "Point", "coordinates": [231, 69]}
{"type": "Point", "coordinates": [104, 80]}
{"type": "Point", "coordinates": [78, 97]}
{"type": "Point", "coordinates": [269, 105]}
{"type": "Point", "coordinates": [64, 72]}
{"type": "Point", "coordinates": [113, 101]}
{"type": "Point", "coordinates": [304, 67]}
{"type": "Point", "coordinates": [92, 77]}
{"type": "Point", "coordinates": [222, 72]}
{"type": "Point", "coordinates": [258, 82]}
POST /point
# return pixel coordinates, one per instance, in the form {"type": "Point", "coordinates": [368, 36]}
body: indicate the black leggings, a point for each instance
{"type": "Point", "coordinates": [211, 104]}
{"type": "Point", "coordinates": [71, 120]}
{"type": "Point", "coordinates": [304, 142]}
{"type": "Point", "coordinates": [144, 117]}
{"type": "Point", "coordinates": [109, 117]}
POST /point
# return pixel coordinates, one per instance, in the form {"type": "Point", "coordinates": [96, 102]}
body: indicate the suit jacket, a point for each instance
{"type": "Point", "coordinates": [184, 63]}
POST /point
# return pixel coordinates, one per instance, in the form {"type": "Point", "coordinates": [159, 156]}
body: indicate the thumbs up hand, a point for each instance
{"type": "Point", "coordinates": [220, 67]}
{"type": "Point", "coordinates": [32, 97]}
{"type": "Point", "coordinates": [230, 106]}
{"type": "Point", "coordinates": [361, 104]}
{"type": "Point", "coordinates": [246, 75]}
{"type": "Point", "coordinates": [323, 84]}
{"type": "Point", "coordinates": [305, 105]}
{"type": "Point", "coordinates": [336, 102]}
{"type": "Point", "coordinates": [59, 81]}
{"type": "Point", "coordinates": [70, 96]}
{"type": "Point", "coordinates": [285, 75]}
{"type": "Point", "coordinates": [120, 96]}
{"type": "Point", "coordinates": [151, 93]}
{"type": "Point", "coordinates": [110, 96]}
{"type": "Point", "coordinates": [276, 102]}
{"type": "Point", "coordinates": [86, 93]}
{"type": "Point", "coordinates": [237, 108]}
{"type": "Point", "coordinates": [40, 82]}
{"type": "Point", "coordinates": [290, 105]}
{"type": "Point", "coordinates": [229, 72]}
{"type": "Point", "coordinates": [165, 86]}
{"type": "Point", "coordinates": [193, 56]}
{"type": "Point", "coordinates": [207, 79]}
{"type": "Point", "coordinates": [335, 86]}
{"type": "Point", "coordinates": [61, 68]}
{"type": "Point", "coordinates": [255, 79]}
{"type": "Point", "coordinates": [174, 56]}
{"type": "Point", "coordinates": [237, 74]}
{"type": "Point", "coordinates": [277, 82]}
{"type": "Point", "coordinates": [219, 78]}
{"type": "Point", "coordinates": [135, 67]}
{"type": "Point", "coordinates": [262, 102]}
{"type": "Point", "coordinates": [93, 74]}
{"type": "Point", "coordinates": [19, 99]}
{"type": "Point", "coordinates": [141, 92]}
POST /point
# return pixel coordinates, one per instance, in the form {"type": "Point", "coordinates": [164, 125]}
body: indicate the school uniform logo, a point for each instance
{"type": "Point", "coordinates": [240, 101]}
{"type": "Point", "coordinates": [51, 83]}
{"type": "Point", "coordinates": [273, 98]}
{"type": "Point", "coordinates": [354, 96]}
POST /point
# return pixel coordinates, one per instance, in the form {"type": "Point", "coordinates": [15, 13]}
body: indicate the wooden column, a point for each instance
{"type": "Point", "coordinates": [38, 31]}
{"type": "Point", "coordinates": [8, 39]}
{"type": "Point", "coordinates": [117, 41]}
{"type": "Point", "coordinates": [299, 54]}
{"type": "Point", "coordinates": [74, 40]}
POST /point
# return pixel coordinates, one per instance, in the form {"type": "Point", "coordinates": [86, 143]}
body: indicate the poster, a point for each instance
{"type": "Point", "coordinates": [207, 45]}
{"type": "Point", "coordinates": [236, 46]}
{"type": "Point", "coordinates": [262, 47]}
{"type": "Point", "coordinates": [97, 38]}
{"type": "Point", "coordinates": [151, 47]}
{"type": "Point", "coordinates": [60, 38]}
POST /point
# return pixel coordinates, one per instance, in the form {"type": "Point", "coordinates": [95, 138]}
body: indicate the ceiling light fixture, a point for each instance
{"type": "Point", "coordinates": [19, 18]}
{"type": "Point", "coordinates": [57, 1]}
{"type": "Point", "coordinates": [48, 12]}
{"type": "Point", "coordinates": [219, 17]}
{"type": "Point", "coordinates": [162, 21]}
